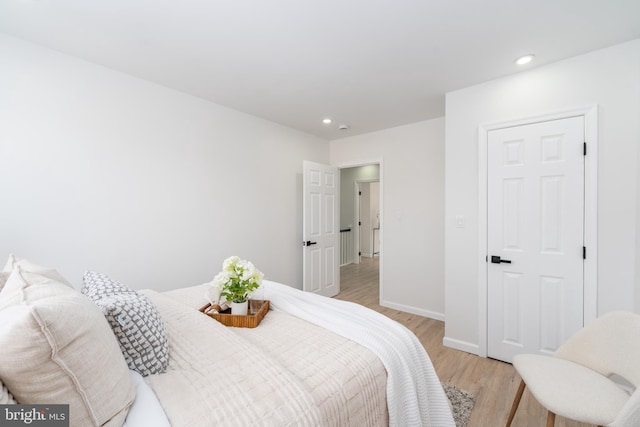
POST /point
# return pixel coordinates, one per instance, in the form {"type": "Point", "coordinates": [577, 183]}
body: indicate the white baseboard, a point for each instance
{"type": "Point", "coordinates": [461, 345]}
{"type": "Point", "coordinates": [413, 310]}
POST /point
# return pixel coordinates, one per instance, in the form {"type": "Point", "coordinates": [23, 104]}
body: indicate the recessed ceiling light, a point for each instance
{"type": "Point", "coordinates": [525, 59]}
{"type": "Point", "coordinates": [326, 121]}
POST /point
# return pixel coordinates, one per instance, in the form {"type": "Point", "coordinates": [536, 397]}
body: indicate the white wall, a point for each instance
{"type": "Point", "coordinates": [103, 171]}
{"type": "Point", "coordinates": [637, 260]}
{"type": "Point", "coordinates": [412, 206]}
{"type": "Point", "coordinates": [609, 78]}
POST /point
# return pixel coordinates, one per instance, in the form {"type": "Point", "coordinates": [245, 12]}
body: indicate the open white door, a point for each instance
{"type": "Point", "coordinates": [321, 229]}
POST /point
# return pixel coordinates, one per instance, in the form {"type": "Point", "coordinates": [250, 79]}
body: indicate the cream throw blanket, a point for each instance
{"type": "Point", "coordinates": [216, 378]}
{"type": "Point", "coordinates": [414, 394]}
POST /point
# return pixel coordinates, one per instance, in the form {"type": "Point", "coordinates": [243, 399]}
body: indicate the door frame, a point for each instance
{"type": "Point", "coordinates": [590, 306]}
{"type": "Point", "coordinates": [379, 162]}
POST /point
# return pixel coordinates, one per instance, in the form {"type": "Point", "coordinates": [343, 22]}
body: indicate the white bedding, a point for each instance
{"type": "Point", "coordinates": [327, 379]}
{"type": "Point", "coordinates": [146, 409]}
{"type": "Point", "coordinates": [414, 393]}
{"type": "Point", "coordinates": [215, 378]}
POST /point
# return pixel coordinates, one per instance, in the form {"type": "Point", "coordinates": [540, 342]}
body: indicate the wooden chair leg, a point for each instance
{"type": "Point", "coordinates": [551, 419]}
{"type": "Point", "coordinates": [516, 402]}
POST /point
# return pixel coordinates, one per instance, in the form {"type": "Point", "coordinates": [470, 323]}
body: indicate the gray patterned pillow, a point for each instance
{"type": "Point", "coordinates": [134, 320]}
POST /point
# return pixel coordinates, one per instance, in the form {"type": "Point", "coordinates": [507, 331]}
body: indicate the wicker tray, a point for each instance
{"type": "Point", "coordinates": [248, 321]}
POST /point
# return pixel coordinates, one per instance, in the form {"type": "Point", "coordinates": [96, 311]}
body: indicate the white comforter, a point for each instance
{"type": "Point", "coordinates": [414, 394]}
{"type": "Point", "coordinates": [303, 376]}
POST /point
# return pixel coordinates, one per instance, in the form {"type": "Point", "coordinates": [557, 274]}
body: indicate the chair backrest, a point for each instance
{"type": "Point", "coordinates": [609, 345]}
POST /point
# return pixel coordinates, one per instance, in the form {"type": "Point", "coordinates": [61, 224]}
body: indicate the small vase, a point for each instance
{"type": "Point", "coordinates": [239, 308]}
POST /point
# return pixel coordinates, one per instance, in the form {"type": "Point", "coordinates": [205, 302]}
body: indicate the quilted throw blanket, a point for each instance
{"type": "Point", "coordinates": [415, 396]}
{"type": "Point", "coordinates": [331, 361]}
{"type": "Point", "coordinates": [216, 378]}
{"type": "Point", "coordinates": [286, 372]}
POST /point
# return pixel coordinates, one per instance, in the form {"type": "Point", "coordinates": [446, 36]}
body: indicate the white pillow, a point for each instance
{"type": "Point", "coordinates": [5, 396]}
{"type": "Point", "coordinates": [135, 322]}
{"type": "Point", "coordinates": [57, 347]}
{"type": "Point", "coordinates": [146, 409]}
{"type": "Point", "coordinates": [12, 262]}
{"type": "Point", "coordinates": [32, 267]}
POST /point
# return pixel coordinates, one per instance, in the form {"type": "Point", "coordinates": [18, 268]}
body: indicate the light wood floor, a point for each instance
{"type": "Point", "coordinates": [493, 383]}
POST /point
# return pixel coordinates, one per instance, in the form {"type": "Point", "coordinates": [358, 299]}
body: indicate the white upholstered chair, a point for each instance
{"type": "Point", "coordinates": [576, 382]}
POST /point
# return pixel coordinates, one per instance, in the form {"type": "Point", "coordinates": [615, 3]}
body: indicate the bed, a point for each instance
{"type": "Point", "coordinates": [312, 361]}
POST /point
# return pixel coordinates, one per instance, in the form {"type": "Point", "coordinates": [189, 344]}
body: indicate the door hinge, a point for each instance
{"type": "Point", "coordinates": [584, 252]}
{"type": "Point", "coordinates": [585, 148]}
{"type": "Point", "coordinates": [359, 223]}
{"type": "Point", "coordinates": [359, 193]}
{"type": "Point", "coordinates": [359, 253]}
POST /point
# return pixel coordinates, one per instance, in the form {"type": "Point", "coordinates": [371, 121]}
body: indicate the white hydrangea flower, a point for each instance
{"type": "Point", "coordinates": [248, 270]}
{"type": "Point", "coordinates": [238, 279]}
{"type": "Point", "coordinates": [257, 277]}
{"type": "Point", "coordinates": [230, 263]}
{"type": "Point", "coordinates": [221, 279]}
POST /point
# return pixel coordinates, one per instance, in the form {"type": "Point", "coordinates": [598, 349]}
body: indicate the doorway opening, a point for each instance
{"type": "Point", "coordinates": [361, 229]}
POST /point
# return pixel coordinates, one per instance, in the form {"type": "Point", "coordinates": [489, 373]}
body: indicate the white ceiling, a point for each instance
{"type": "Point", "coordinates": [371, 64]}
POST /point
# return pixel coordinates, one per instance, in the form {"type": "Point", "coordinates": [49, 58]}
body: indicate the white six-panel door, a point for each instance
{"type": "Point", "coordinates": [321, 229]}
{"type": "Point", "coordinates": [535, 236]}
